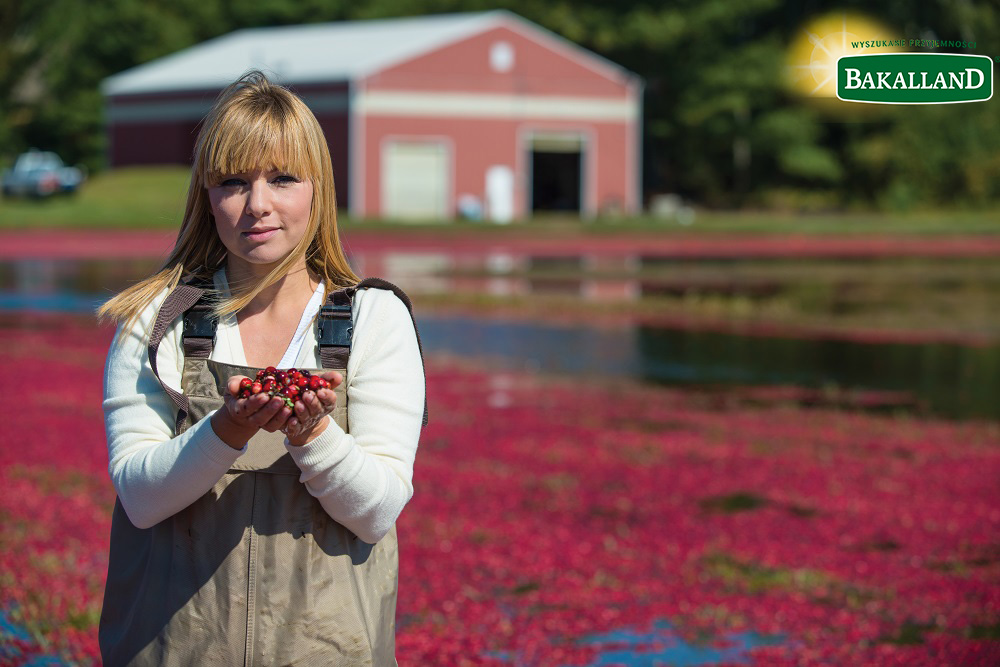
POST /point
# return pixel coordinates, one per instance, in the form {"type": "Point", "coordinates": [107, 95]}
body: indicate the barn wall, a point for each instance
{"type": "Point", "coordinates": [161, 128]}
{"type": "Point", "coordinates": [336, 130]}
{"type": "Point", "coordinates": [487, 116]}
{"type": "Point", "coordinates": [152, 143]}
{"type": "Point", "coordinates": [477, 144]}
{"type": "Point", "coordinates": [539, 68]}
{"type": "Point", "coordinates": [484, 115]}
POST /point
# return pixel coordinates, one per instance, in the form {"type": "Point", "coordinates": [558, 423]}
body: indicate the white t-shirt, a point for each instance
{"type": "Point", "coordinates": [363, 479]}
{"type": "Point", "coordinates": [228, 331]}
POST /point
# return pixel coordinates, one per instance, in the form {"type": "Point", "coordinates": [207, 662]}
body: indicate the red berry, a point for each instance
{"type": "Point", "coordinates": [289, 385]}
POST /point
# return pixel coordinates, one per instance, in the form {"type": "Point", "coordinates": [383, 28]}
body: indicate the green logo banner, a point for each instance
{"type": "Point", "coordinates": [915, 78]}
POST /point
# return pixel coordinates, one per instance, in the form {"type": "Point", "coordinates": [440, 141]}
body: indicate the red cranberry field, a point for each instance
{"type": "Point", "coordinates": [550, 510]}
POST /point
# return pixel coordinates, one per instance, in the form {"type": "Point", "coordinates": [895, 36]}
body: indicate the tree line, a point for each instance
{"type": "Point", "coordinates": [720, 128]}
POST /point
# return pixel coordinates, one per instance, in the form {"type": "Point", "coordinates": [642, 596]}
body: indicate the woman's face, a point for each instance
{"type": "Point", "coordinates": [260, 216]}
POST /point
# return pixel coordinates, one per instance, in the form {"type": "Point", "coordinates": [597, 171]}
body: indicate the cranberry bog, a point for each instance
{"type": "Point", "coordinates": [576, 521]}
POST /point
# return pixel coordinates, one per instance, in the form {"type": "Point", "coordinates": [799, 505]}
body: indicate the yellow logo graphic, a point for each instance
{"type": "Point", "coordinates": [811, 63]}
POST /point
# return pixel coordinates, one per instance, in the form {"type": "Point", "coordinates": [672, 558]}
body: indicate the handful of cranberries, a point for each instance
{"type": "Point", "coordinates": [287, 385]}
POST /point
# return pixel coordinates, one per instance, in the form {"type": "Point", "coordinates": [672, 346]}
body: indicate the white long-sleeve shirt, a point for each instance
{"type": "Point", "coordinates": [362, 478]}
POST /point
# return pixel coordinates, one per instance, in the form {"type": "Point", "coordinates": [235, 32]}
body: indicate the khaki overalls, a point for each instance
{"type": "Point", "coordinates": [255, 572]}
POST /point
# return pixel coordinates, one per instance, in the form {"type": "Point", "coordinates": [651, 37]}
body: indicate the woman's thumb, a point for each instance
{"type": "Point", "coordinates": [234, 384]}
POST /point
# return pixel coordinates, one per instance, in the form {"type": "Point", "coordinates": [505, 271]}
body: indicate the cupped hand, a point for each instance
{"type": "Point", "coordinates": [259, 411]}
{"type": "Point", "coordinates": [311, 412]}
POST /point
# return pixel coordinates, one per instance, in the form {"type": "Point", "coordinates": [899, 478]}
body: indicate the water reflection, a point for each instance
{"type": "Point", "coordinates": [662, 646]}
{"type": "Point", "coordinates": [41, 277]}
{"type": "Point", "coordinates": [12, 654]}
{"type": "Point", "coordinates": [946, 379]}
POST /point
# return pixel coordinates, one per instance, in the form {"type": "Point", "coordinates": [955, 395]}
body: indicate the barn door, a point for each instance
{"type": "Point", "coordinates": [415, 180]}
{"type": "Point", "coordinates": [556, 179]}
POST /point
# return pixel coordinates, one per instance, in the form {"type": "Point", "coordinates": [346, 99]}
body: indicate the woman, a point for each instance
{"type": "Point", "coordinates": [245, 532]}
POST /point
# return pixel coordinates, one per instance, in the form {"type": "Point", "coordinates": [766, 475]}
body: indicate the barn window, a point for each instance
{"type": "Point", "coordinates": [501, 57]}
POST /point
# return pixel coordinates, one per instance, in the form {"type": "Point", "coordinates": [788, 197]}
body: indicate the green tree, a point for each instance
{"type": "Point", "coordinates": [718, 126]}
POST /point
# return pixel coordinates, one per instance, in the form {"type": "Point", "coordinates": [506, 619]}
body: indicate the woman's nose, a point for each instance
{"type": "Point", "coordinates": [259, 199]}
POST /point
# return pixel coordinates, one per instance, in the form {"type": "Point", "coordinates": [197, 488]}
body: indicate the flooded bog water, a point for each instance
{"type": "Point", "coordinates": [948, 379]}
{"type": "Point", "coordinates": [661, 645]}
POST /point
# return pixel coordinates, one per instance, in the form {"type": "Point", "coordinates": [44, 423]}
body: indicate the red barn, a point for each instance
{"type": "Point", "coordinates": [427, 117]}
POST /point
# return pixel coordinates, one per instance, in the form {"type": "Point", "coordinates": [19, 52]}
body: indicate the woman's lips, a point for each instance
{"type": "Point", "coordinates": [262, 235]}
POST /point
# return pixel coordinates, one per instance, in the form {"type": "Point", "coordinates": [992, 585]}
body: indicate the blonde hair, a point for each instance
{"type": "Point", "coordinates": [254, 124]}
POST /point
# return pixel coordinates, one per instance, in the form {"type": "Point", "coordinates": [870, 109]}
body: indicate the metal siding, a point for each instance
{"type": "Point", "coordinates": [479, 144]}
{"type": "Point", "coordinates": [315, 52]}
{"type": "Point", "coordinates": [152, 143]}
{"type": "Point", "coordinates": [159, 141]}
{"type": "Point", "coordinates": [336, 129]}
{"type": "Point", "coordinates": [613, 168]}
{"type": "Point", "coordinates": [464, 66]}
{"type": "Point", "coordinates": [542, 68]}
{"type": "Point", "coordinates": [476, 145]}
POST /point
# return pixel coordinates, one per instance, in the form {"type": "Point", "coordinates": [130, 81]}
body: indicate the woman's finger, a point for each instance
{"type": "Point", "coordinates": [311, 405]}
{"type": "Point", "coordinates": [267, 412]}
{"type": "Point", "coordinates": [327, 398]}
{"type": "Point", "coordinates": [278, 420]}
{"type": "Point", "coordinates": [247, 407]}
{"type": "Point", "coordinates": [333, 377]}
{"type": "Point", "coordinates": [322, 402]}
{"type": "Point", "coordinates": [302, 411]}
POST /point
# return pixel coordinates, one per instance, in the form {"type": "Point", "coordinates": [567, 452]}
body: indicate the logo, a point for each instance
{"type": "Point", "coordinates": [914, 78]}
{"type": "Point", "coordinates": [811, 60]}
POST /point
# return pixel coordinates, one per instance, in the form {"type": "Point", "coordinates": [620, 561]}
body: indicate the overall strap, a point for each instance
{"type": "Point", "coordinates": [385, 284]}
{"type": "Point", "coordinates": [200, 324]}
{"type": "Point", "coordinates": [176, 304]}
{"type": "Point", "coordinates": [334, 327]}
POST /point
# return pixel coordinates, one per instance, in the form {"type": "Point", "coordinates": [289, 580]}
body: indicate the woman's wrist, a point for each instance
{"type": "Point", "coordinates": [310, 434]}
{"type": "Point", "coordinates": [233, 434]}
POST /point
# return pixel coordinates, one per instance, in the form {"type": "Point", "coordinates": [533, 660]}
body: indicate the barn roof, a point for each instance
{"type": "Point", "coordinates": [319, 52]}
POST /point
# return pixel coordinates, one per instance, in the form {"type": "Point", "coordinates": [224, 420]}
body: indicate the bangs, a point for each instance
{"type": "Point", "coordinates": [245, 140]}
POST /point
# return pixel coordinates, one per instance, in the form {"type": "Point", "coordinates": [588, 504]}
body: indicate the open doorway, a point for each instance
{"type": "Point", "coordinates": [556, 173]}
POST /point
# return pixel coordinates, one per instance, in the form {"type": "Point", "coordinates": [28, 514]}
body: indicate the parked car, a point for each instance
{"type": "Point", "coordinates": [40, 174]}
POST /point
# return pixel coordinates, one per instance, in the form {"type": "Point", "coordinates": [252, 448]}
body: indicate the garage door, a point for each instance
{"type": "Point", "coordinates": [414, 180]}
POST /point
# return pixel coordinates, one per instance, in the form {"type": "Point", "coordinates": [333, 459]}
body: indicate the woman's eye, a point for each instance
{"type": "Point", "coordinates": [235, 182]}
